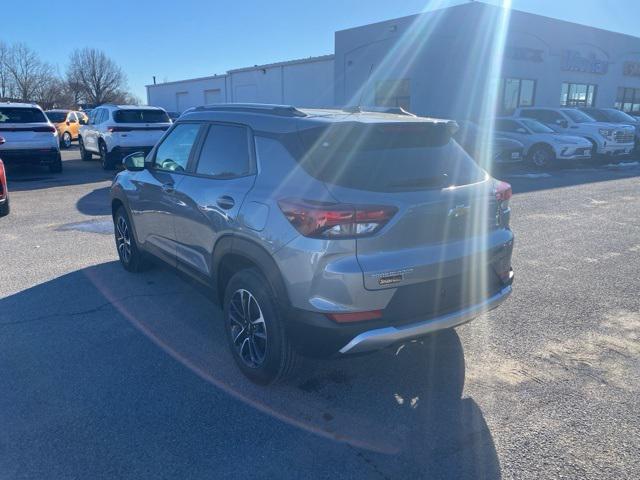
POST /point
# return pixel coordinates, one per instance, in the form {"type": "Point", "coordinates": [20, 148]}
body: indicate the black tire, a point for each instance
{"type": "Point", "coordinates": [56, 165]}
{"type": "Point", "coordinates": [595, 156]}
{"type": "Point", "coordinates": [133, 260]}
{"type": "Point", "coordinates": [85, 155]}
{"type": "Point", "coordinates": [5, 208]}
{"type": "Point", "coordinates": [65, 140]}
{"type": "Point", "coordinates": [106, 159]}
{"type": "Point", "coordinates": [279, 359]}
{"type": "Point", "coordinates": [542, 156]}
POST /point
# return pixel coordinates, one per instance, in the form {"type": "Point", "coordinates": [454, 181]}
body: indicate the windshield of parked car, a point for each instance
{"type": "Point", "coordinates": [578, 116]}
{"type": "Point", "coordinates": [56, 117]}
{"type": "Point", "coordinates": [387, 157]}
{"type": "Point", "coordinates": [618, 116]}
{"type": "Point", "coordinates": [141, 116]}
{"type": "Point", "coordinates": [535, 126]}
{"type": "Point", "coordinates": [21, 115]}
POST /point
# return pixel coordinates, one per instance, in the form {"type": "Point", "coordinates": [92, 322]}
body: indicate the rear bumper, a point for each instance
{"type": "Point", "coordinates": [121, 152]}
{"type": "Point", "coordinates": [314, 334]}
{"type": "Point", "coordinates": [29, 156]}
{"type": "Point", "coordinates": [383, 337]}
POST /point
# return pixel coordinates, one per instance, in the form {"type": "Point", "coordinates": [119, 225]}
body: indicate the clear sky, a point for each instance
{"type": "Point", "coordinates": [193, 38]}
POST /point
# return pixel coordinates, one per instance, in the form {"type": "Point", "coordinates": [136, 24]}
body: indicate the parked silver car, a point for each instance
{"type": "Point", "coordinates": [543, 147]}
{"type": "Point", "coordinates": [322, 232]}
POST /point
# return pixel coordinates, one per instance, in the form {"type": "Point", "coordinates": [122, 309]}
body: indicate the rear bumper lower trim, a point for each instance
{"type": "Point", "coordinates": [383, 337]}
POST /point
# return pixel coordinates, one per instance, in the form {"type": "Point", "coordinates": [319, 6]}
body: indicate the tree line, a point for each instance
{"type": "Point", "coordinates": [91, 78]}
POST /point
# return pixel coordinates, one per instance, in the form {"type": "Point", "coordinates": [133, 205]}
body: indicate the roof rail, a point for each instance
{"type": "Point", "coordinates": [279, 110]}
{"type": "Point", "coordinates": [374, 109]}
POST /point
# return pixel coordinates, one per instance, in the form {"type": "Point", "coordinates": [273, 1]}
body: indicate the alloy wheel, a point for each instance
{"type": "Point", "coordinates": [540, 158]}
{"type": "Point", "coordinates": [123, 239]}
{"type": "Point", "coordinates": [248, 328]}
{"type": "Point", "coordinates": [66, 140]}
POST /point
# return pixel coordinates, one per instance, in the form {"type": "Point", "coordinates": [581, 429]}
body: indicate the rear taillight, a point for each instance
{"type": "Point", "coordinates": [335, 220]}
{"type": "Point", "coordinates": [115, 129]}
{"type": "Point", "coordinates": [45, 129]}
{"type": "Point", "coordinates": [3, 179]}
{"type": "Point", "coordinates": [503, 194]}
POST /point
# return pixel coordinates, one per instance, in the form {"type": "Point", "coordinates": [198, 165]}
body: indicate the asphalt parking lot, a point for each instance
{"type": "Point", "coordinates": [105, 374]}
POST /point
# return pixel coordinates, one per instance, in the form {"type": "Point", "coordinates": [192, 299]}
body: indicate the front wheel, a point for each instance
{"type": "Point", "coordinates": [84, 154]}
{"type": "Point", "coordinates": [5, 208]}
{"type": "Point", "coordinates": [542, 156]}
{"type": "Point", "coordinates": [130, 255]}
{"type": "Point", "coordinates": [65, 141]}
{"type": "Point", "coordinates": [106, 159]}
{"type": "Point", "coordinates": [255, 329]}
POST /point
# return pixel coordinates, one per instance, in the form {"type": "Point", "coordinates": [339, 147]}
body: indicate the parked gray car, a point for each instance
{"type": "Point", "coordinates": [321, 232]}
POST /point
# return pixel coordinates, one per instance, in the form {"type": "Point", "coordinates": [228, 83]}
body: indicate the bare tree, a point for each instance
{"type": "Point", "coordinates": [27, 72]}
{"type": "Point", "coordinates": [6, 82]}
{"type": "Point", "coordinates": [96, 77]}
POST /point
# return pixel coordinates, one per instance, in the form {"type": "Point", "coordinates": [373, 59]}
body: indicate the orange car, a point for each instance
{"type": "Point", "coordinates": [67, 122]}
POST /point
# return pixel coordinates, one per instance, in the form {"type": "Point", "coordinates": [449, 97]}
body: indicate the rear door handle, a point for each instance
{"type": "Point", "coordinates": [225, 202]}
{"type": "Point", "coordinates": [168, 188]}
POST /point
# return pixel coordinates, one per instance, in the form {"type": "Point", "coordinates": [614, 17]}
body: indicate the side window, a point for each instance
{"type": "Point", "coordinates": [225, 152]}
{"type": "Point", "coordinates": [174, 151]}
{"type": "Point", "coordinates": [72, 118]}
{"type": "Point", "coordinates": [507, 126]}
{"type": "Point", "coordinates": [92, 117]}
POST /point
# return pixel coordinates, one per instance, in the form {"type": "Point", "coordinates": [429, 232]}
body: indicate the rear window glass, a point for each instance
{"type": "Point", "coordinates": [21, 115]}
{"type": "Point", "coordinates": [387, 157]}
{"type": "Point", "coordinates": [140, 116]}
{"type": "Point", "coordinates": [57, 117]}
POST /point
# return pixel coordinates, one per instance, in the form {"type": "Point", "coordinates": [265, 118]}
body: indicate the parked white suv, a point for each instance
{"type": "Point", "coordinates": [606, 138]}
{"type": "Point", "coordinates": [114, 131]}
{"type": "Point", "coordinates": [543, 146]}
{"type": "Point", "coordinates": [30, 138]}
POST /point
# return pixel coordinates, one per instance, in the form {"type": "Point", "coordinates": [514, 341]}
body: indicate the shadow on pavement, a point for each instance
{"type": "Point", "coordinates": [77, 363]}
{"type": "Point", "coordinates": [96, 202]}
{"type": "Point", "coordinates": [525, 179]}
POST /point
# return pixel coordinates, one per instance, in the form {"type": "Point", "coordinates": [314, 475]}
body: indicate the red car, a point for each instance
{"type": "Point", "coordinates": [4, 193]}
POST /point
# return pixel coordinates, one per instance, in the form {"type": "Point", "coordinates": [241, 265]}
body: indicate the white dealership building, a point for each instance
{"type": "Point", "coordinates": [454, 62]}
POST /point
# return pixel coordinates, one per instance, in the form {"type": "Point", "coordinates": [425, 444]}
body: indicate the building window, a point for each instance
{"type": "Point", "coordinates": [578, 95]}
{"type": "Point", "coordinates": [393, 93]}
{"type": "Point", "coordinates": [516, 92]}
{"type": "Point", "coordinates": [628, 100]}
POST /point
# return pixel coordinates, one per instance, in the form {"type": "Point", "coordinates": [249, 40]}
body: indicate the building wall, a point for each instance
{"type": "Point", "coordinates": [178, 96]}
{"type": "Point", "coordinates": [445, 58]}
{"type": "Point", "coordinates": [304, 83]}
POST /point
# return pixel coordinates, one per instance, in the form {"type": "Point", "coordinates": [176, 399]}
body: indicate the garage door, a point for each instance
{"type": "Point", "coordinates": [212, 96]}
{"type": "Point", "coordinates": [182, 101]}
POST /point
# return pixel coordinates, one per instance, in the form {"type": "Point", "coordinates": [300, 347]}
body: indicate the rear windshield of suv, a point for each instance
{"type": "Point", "coordinates": [387, 157]}
{"type": "Point", "coordinates": [21, 115]}
{"type": "Point", "coordinates": [140, 116]}
{"type": "Point", "coordinates": [57, 117]}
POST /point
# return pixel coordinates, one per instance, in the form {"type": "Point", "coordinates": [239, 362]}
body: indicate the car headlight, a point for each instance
{"type": "Point", "coordinates": [605, 132]}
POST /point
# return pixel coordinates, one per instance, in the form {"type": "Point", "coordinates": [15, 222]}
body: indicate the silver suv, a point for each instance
{"type": "Point", "coordinates": [321, 232]}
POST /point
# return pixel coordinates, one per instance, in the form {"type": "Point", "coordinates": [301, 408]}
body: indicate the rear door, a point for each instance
{"type": "Point", "coordinates": [222, 174]}
{"type": "Point", "coordinates": [90, 136]}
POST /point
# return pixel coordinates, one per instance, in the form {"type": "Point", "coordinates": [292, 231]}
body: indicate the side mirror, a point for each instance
{"type": "Point", "coordinates": [562, 123]}
{"type": "Point", "coordinates": [2, 141]}
{"type": "Point", "coordinates": [521, 130]}
{"type": "Point", "coordinates": [134, 162]}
